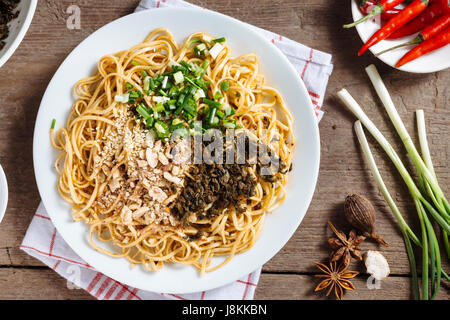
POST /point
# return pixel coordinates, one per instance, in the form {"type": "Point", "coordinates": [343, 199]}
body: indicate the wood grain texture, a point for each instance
{"type": "Point", "coordinates": [316, 23]}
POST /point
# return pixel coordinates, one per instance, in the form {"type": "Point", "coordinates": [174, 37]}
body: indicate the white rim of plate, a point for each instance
{"type": "Point", "coordinates": [3, 193]}
{"type": "Point", "coordinates": [23, 30]}
{"type": "Point", "coordinates": [291, 228]}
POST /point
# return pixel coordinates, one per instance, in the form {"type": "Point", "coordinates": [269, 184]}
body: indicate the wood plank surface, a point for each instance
{"type": "Point", "coordinates": [290, 274]}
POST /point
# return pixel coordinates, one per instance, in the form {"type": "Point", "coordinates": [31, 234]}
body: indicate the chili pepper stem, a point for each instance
{"type": "Point", "coordinates": [416, 40]}
{"type": "Point", "coordinates": [378, 9]}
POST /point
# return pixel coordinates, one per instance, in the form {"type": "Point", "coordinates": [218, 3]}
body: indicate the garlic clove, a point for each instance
{"type": "Point", "coordinates": [376, 265]}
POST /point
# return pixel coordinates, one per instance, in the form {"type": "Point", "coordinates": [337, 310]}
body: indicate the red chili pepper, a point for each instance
{"type": "Point", "coordinates": [438, 41]}
{"type": "Point", "coordinates": [407, 14]}
{"type": "Point", "coordinates": [366, 6]}
{"type": "Point", "coordinates": [385, 16]}
{"type": "Point", "coordinates": [440, 24]}
{"type": "Point", "coordinates": [382, 6]}
{"type": "Point", "coordinates": [428, 16]}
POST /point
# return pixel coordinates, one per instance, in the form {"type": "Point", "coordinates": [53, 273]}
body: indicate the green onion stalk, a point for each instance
{"type": "Point", "coordinates": [428, 198]}
{"type": "Point", "coordinates": [407, 233]}
{"type": "Point", "coordinates": [424, 172]}
{"type": "Point", "coordinates": [427, 159]}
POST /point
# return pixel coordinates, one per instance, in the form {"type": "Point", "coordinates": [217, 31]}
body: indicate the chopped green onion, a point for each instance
{"type": "Point", "coordinates": [225, 85]}
{"type": "Point", "coordinates": [196, 69]}
{"type": "Point", "coordinates": [162, 129]}
{"type": "Point", "coordinates": [219, 40]}
{"type": "Point", "coordinates": [181, 99]}
{"type": "Point", "coordinates": [134, 63]}
{"type": "Point", "coordinates": [186, 65]}
{"type": "Point", "coordinates": [187, 116]}
{"type": "Point", "coordinates": [220, 114]}
{"type": "Point", "coordinates": [53, 124]}
{"type": "Point", "coordinates": [178, 110]}
{"type": "Point", "coordinates": [159, 99]}
{"type": "Point", "coordinates": [190, 106]}
{"type": "Point", "coordinates": [152, 84]}
{"type": "Point", "coordinates": [123, 98]}
{"type": "Point", "coordinates": [199, 94]}
{"type": "Point", "coordinates": [211, 103]}
{"type": "Point", "coordinates": [178, 77]}
{"type": "Point", "coordinates": [149, 122]}
{"type": "Point", "coordinates": [144, 74]}
{"type": "Point", "coordinates": [143, 111]}
{"type": "Point", "coordinates": [158, 108]}
{"type": "Point", "coordinates": [214, 52]}
{"type": "Point", "coordinates": [205, 65]}
{"type": "Point", "coordinates": [227, 109]}
{"type": "Point", "coordinates": [218, 96]}
{"type": "Point", "coordinates": [201, 47]}
{"type": "Point", "coordinates": [229, 125]}
{"type": "Point", "coordinates": [176, 121]}
{"type": "Point", "coordinates": [192, 90]}
{"type": "Point", "coordinates": [206, 38]}
{"type": "Point", "coordinates": [212, 115]}
{"type": "Point", "coordinates": [147, 83]}
{"type": "Point", "coordinates": [164, 82]}
{"type": "Point", "coordinates": [173, 64]}
{"type": "Point", "coordinates": [134, 94]}
{"type": "Point", "coordinates": [193, 41]}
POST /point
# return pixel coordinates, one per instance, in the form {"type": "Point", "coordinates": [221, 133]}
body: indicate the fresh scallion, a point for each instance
{"type": "Point", "coordinates": [219, 40]}
{"type": "Point", "coordinates": [215, 50]}
{"type": "Point", "coordinates": [218, 96]}
{"type": "Point", "coordinates": [178, 77]}
{"type": "Point", "coordinates": [162, 129]}
{"type": "Point", "coordinates": [214, 104]}
{"type": "Point", "coordinates": [146, 83]}
{"type": "Point", "coordinates": [212, 115]}
{"type": "Point", "coordinates": [428, 199]}
{"type": "Point", "coordinates": [143, 111]}
{"type": "Point", "coordinates": [229, 125]}
{"type": "Point", "coordinates": [149, 122]}
{"type": "Point", "coordinates": [158, 108]}
{"type": "Point", "coordinates": [123, 98]}
{"type": "Point", "coordinates": [201, 47]}
{"type": "Point", "coordinates": [164, 82]}
{"type": "Point", "coordinates": [225, 85]}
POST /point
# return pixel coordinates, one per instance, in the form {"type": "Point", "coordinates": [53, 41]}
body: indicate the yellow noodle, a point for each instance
{"type": "Point", "coordinates": [259, 108]}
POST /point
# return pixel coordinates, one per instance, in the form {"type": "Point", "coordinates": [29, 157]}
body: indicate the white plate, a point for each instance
{"type": "Point", "coordinates": [17, 29]}
{"type": "Point", "coordinates": [3, 193]}
{"type": "Point", "coordinates": [432, 62]}
{"type": "Point", "coordinates": [124, 33]}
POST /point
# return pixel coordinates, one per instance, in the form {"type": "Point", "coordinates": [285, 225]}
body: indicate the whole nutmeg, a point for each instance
{"type": "Point", "coordinates": [360, 213]}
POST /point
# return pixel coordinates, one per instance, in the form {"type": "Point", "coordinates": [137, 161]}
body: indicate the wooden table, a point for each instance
{"type": "Point", "coordinates": [290, 274]}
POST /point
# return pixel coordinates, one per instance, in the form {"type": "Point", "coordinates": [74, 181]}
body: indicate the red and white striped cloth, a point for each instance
{"type": "Point", "coordinates": [43, 242]}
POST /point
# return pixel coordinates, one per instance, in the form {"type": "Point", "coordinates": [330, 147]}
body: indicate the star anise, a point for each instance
{"type": "Point", "coordinates": [345, 247]}
{"type": "Point", "coordinates": [336, 277]}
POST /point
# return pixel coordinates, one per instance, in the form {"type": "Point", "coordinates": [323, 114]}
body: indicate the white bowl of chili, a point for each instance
{"type": "Point", "coordinates": [431, 62]}
{"type": "Point", "coordinates": [18, 27]}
